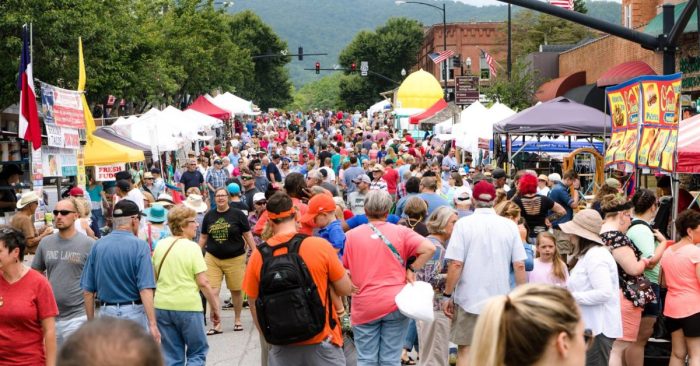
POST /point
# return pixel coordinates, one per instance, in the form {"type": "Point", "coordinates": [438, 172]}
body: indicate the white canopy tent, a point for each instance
{"type": "Point", "coordinates": [181, 124]}
{"type": "Point", "coordinates": [379, 107]}
{"type": "Point", "coordinates": [203, 121]}
{"type": "Point", "coordinates": [469, 119]}
{"type": "Point", "coordinates": [149, 129]}
{"type": "Point", "coordinates": [233, 104]}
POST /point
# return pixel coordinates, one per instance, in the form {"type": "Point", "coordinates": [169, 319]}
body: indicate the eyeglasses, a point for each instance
{"type": "Point", "coordinates": [588, 338]}
{"type": "Point", "coordinates": [190, 221]}
{"type": "Point", "coordinates": [62, 212]}
{"type": "Point", "coordinates": [246, 177]}
{"type": "Point", "coordinates": [258, 169]}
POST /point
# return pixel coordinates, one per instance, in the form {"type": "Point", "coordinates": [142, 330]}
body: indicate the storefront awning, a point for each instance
{"type": "Point", "coordinates": [557, 87]}
{"type": "Point", "coordinates": [590, 95]}
{"type": "Point", "coordinates": [623, 72]}
{"type": "Point", "coordinates": [434, 109]}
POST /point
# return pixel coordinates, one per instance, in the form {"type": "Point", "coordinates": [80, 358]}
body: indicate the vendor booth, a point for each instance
{"type": "Point", "coordinates": [418, 92]}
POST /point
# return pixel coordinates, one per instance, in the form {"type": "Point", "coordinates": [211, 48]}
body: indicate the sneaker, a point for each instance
{"type": "Point", "coordinates": [245, 304]}
{"type": "Point", "coordinates": [227, 306]}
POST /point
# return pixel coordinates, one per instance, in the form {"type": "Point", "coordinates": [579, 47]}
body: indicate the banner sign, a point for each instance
{"type": "Point", "coordinates": [105, 173]}
{"type": "Point", "coordinates": [647, 106]}
{"type": "Point", "coordinates": [63, 137]}
{"type": "Point", "coordinates": [61, 107]}
{"type": "Point", "coordinates": [57, 162]}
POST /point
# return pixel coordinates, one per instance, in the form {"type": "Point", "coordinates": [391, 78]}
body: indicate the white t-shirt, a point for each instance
{"type": "Point", "coordinates": [488, 245]}
{"type": "Point", "coordinates": [593, 282]}
{"type": "Point", "coordinates": [356, 203]}
{"type": "Point", "coordinates": [136, 196]}
{"type": "Point", "coordinates": [331, 174]}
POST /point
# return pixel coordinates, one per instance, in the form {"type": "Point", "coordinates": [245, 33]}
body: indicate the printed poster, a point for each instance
{"type": "Point", "coordinates": [62, 107]}
{"type": "Point", "coordinates": [62, 137]}
{"type": "Point", "coordinates": [624, 105]}
{"type": "Point", "coordinates": [56, 162]}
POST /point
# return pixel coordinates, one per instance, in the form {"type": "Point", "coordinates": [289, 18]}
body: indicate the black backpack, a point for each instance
{"type": "Point", "coordinates": [288, 306]}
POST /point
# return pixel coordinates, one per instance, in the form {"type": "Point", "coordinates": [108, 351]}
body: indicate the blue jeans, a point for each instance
{"type": "Point", "coordinates": [411, 340]}
{"type": "Point", "coordinates": [64, 328]}
{"type": "Point", "coordinates": [380, 342]}
{"type": "Point", "coordinates": [182, 337]}
{"type": "Point", "coordinates": [97, 213]}
{"type": "Point", "coordinates": [130, 312]}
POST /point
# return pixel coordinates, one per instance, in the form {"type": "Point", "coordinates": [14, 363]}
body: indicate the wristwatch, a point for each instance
{"type": "Point", "coordinates": [410, 269]}
{"type": "Point", "coordinates": [446, 295]}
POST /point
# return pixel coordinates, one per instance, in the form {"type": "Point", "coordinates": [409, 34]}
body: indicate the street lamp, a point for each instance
{"type": "Point", "coordinates": [468, 63]}
{"type": "Point", "coordinates": [444, 35]}
{"type": "Point", "coordinates": [403, 72]}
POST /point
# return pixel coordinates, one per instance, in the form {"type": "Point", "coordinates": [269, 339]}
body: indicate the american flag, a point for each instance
{"type": "Point", "coordinates": [491, 62]}
{"type": "Point", "coordinates": [441, 56]}
{"type": "Point", "coordinates": [566, 4]}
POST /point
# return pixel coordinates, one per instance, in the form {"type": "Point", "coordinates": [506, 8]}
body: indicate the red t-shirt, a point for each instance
{"type": "Point", "coordinates": [25, 304]}
{"type": "Point", "coordinates": [391, 176]}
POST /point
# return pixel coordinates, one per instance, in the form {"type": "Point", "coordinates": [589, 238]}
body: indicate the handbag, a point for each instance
{"type": "Point", "coordinates": [163, 260]}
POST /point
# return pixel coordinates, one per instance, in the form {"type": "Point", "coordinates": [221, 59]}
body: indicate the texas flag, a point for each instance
{"type": "Point", "coordinates": [29, 128]}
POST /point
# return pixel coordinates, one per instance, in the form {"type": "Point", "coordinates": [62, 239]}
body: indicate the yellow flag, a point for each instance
{"type": "Point", "coordinates": [89, 121]}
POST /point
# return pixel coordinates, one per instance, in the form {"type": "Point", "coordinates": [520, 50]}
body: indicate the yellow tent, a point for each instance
{"type": "Point", "coordinates": [420, 90]}
{"type": "Point", "coordinates": [99, 151]}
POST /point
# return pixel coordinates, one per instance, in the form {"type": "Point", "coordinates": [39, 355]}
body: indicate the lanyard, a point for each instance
{"type": "Point", "coordinates": [388, 244]}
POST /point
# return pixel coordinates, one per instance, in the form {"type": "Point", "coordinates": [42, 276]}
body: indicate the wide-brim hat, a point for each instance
{"type": "Point", "coordinates": [156, 214]}
{"type": "Point", "coordinates": [165, 199]}
{"type": "Point", "coordinates": [195, 202]}
{"type": "Point", "coordinates": [27, 198]}
{"type": "Point", "coordinates": [585, 224]}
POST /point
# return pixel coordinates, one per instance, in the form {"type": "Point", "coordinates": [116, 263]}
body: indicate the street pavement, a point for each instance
{"type": "Point", "coordinates": [234, 348]}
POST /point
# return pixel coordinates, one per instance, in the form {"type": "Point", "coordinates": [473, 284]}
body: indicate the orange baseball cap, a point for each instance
{"type": "Point", "coordinates": [319, 203]}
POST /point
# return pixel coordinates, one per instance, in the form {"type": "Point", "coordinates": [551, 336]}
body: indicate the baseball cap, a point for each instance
{"type": "Point", "coordinates": [76, 192]}
{"type": "Point", "coordinates": [498, 173]}
{"type": "Point", "coordinates": [217, 161]}
{"type": "Point", "coordinates": [125, 208]}
{"type": "Point", "coordinates": [123, 175]}
{"type": "Point", "coordinates": [362, 178]}
{"type": "Point", "coordinates": [155, 171]}
{"type": "Point", "coordinates": [260, 196]}
{"type": "Point", "coordinates": [484, 192]}
{"type": "Point", "coordinates": [378, 168]}
{"type": "Point", "coordinates": [613, 183]}
{"type": "Point", "coordinates": [554, 177]}
{"type": "Point", "coordinates": [319, 203]}
{"type": "Point", "coordinates": [233, 189]}
{"type": "Point", "coordinates": [462, 171]}
{"type": "Point", "coordinates": [543, 177]}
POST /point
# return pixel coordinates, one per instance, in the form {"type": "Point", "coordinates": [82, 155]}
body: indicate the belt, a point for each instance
{"type": "Point", "coordinates": [135, 302]}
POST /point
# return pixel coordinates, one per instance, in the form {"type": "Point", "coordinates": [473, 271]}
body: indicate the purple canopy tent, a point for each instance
{"type": "Point", "coordinates": [559, 116]}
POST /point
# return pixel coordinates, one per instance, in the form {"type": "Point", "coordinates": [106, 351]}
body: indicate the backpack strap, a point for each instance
{"type": "Point", "coordinates": [641, 222]}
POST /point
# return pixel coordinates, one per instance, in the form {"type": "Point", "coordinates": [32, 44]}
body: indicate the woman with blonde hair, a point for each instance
{"type": "Point", "coordinates": [84, 210]}
{"type": "Point", "coordinates": [511, 211]}
{"type": "Point", "coordinates": [533, 325]}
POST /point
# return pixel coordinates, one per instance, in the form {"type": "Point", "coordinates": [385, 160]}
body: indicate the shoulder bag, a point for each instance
{"type": "Point", "coordinates": [163, 260]}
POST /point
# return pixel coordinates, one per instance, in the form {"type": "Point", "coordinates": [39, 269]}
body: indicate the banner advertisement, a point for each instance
{"type": "Point", "coordinates": [61, 107]}
{"type": "Point", "coordinates": [63, 137]}
{"type": "Point", "coordinates": [81, 169]}
{"type": "Point", "coordinates": [105, 173]}
{"type": "Point", "coordinates": [647, 106]}
{"type": "Point", "coordinates": [37, 168]}
{"type": "Point", "coordinates": [624, 105]}
{"type": "Point", "coordinates": [58, 162]}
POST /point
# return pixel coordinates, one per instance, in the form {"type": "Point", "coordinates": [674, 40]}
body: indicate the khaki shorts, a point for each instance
{"type": "Point", "coordinates": [462, 329]}
{"type": "Point", "coordinates": [232, 268]}
{"type": "Point", "coordinates": [564, 245]}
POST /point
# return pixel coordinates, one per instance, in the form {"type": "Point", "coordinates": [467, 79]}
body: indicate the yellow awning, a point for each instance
{"type": "Point", "coordinates": [419, 90]}
{"type": "Point", "coordinates": [99, 151]}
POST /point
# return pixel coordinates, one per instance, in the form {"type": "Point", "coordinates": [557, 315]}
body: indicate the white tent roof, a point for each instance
{"type": "Point", "coordinates": [203, 121]}
{"type": "Point", "coordinates": [379, 107]}
{"type": "Point", "coordinates": [178, 123]}
{"type": "Point", "coordinates": [479, 124]}
{"type": "Point", "coordinates": [152, 129]}
{"type": "Point", "coordinates": [233, 104]}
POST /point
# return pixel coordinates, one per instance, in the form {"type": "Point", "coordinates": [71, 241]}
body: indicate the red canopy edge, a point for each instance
{"type": "Point", "coordinates": [623, 72]}
{"type": "Point", "coordinates": [202, 105]}
{"type": "Point", "coordinates": [434, 109]}
{"type": "Point", "coordinates": [689, 146]}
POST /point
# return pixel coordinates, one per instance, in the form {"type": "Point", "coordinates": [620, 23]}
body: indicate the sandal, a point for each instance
{"type": "Point", "coordinates": [410, 361]}
{"type": "Point", "coordinates": [214, 332]}
{"type": "Point", "coordinates": [237, 327]}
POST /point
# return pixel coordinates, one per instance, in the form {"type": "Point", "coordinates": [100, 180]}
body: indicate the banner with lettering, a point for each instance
{"type": "Point", "coordinates": [105, 173]}
{"type": "Point", "coordinates": [647, 106]}
{"type": "Point", "coordinates": [624, 105]}
{"type": "Point", "coordinates": [61, 107]}
{"type": "Point", "coordinates": [62, 137]}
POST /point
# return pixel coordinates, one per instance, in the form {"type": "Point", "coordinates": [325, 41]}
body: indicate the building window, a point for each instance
{"type": "Point", "coordinates": [627, 15]}
{"type": "Point", "coordinates": [485, 71]}
{"type": "Point", "coordinates": [450, 70]}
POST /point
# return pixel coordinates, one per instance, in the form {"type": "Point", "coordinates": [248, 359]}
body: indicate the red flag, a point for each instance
{"type": "Point", "coordinates": [566, 4]}
{"type": "Point", "coordinates": [491, 62]}
{"type": "Point", "coordinates": [29, 128]}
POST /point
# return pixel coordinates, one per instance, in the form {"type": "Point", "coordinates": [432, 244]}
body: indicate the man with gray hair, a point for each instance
{"type": "Point", "coordinates": [481, 251]}
{"type": "Point", "coordinates": [119, 268]}
{"type": "Point", "coordinates": [316, 178]}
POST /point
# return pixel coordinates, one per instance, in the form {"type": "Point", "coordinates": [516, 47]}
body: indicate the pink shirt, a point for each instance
{"type": "Point", "coordinates": [542, 273]}
{"type": "Point", "coordinates": [374, 269]}
{"type": "Point", "coordinates": [679, 268]}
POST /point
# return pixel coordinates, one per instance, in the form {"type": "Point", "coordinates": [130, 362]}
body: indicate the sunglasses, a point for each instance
{"type": "Point", "coordinates": [62, 212]}
{"type": "Point", "coordinates": [246, 177]}
{"type": "Point", "coordinates": [260, 203]}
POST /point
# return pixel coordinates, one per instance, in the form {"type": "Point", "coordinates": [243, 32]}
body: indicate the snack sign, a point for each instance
{"type": "Point", "coordinates": [647, 106]}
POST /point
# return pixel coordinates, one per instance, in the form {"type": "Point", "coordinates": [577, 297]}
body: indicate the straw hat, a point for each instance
{"type": "Point", "coordinates": [27, 198]}
{"type": "Point", "coordinates": [586, 224]}
{"type": "Point", "coordinates": [164, 199]}
{"type": "Point", "coordinates": [195, 202]}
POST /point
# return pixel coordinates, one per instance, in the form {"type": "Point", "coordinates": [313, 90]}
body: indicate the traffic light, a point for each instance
{"type": "Point", "coordinates": [318, 67]}
{"type": "Point", "coordinates": [300, 53]}
{"type": "Point", "coordinates": [353, 67]}
{"type": "Point", "coordinates": [456, 62]}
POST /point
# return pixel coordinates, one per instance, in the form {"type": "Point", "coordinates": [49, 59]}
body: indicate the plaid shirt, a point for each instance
{"type": "Point", "coordinates": [217, 177]}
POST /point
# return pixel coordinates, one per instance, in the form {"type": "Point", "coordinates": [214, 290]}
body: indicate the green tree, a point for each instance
{"type": "Point", "coordinates": [519, 92]}
{"type": "Point", "coordinates": [580, 6]}
{"type": "Point", "coordinates": [270, 85]}
{"type": "Point", "coordinates": [532, 29]}
{"type": "Point", "coordinates": [390, 48]}
{"type": "Point", "coordinates": [323, 93]}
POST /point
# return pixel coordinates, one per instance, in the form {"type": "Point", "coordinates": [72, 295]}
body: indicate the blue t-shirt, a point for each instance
{"type": "Point", "coordinates": [434, 201]}
{"type": "Point", "coordinates": [335, 235]}
{"type": "Point", "coordinates": [95, 193]}
{"type": "Point", "coordinates": [560, 195]}
{"type": "Point", "coordinates": [118, 267]}
{"type": "Point", "coordinates": [358, 220]}
{"type": "Point", "coordinates": [350, 174]}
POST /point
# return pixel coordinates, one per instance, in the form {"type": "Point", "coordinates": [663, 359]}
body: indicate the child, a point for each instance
{"type": "Point", "coordinates": [549, 267]}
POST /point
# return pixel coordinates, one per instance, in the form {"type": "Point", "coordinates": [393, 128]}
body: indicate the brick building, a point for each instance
{"type": "Point", "coordinates": [467, 40]}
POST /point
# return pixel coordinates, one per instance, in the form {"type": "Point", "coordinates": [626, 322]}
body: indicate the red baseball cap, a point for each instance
{"type": "Point", "coordinates": [484, 192]}
{"type": "Point", "coordinates": [76, 192]}
{"type": "Point", "coordinates": [319, 203]}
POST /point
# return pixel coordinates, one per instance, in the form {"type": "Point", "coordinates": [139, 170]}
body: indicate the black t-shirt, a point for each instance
{"type": "Point", "coordinates": [240, 205]}
{"type": "Point", "coordinates": [272, 169]}
{"type": "Point", "coordinates": [191, 179]}
{"type": "Point", "coordinates": [534, 210]}
{"type": "Point", "coordinates": [420, 227]}
{"type": "Point", "coordinates": [225, 232]}
{"type": "Point", "coordinates": [323, 155]}
{"type": "Point", "coordinates": [7, 194]}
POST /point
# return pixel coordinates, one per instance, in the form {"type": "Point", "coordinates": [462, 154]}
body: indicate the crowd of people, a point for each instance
{"type": "Point", "coordinates": [315, 223]}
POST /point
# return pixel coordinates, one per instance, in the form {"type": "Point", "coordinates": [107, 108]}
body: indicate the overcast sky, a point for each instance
{"type": "Point", "coordinates": [491, 2]}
